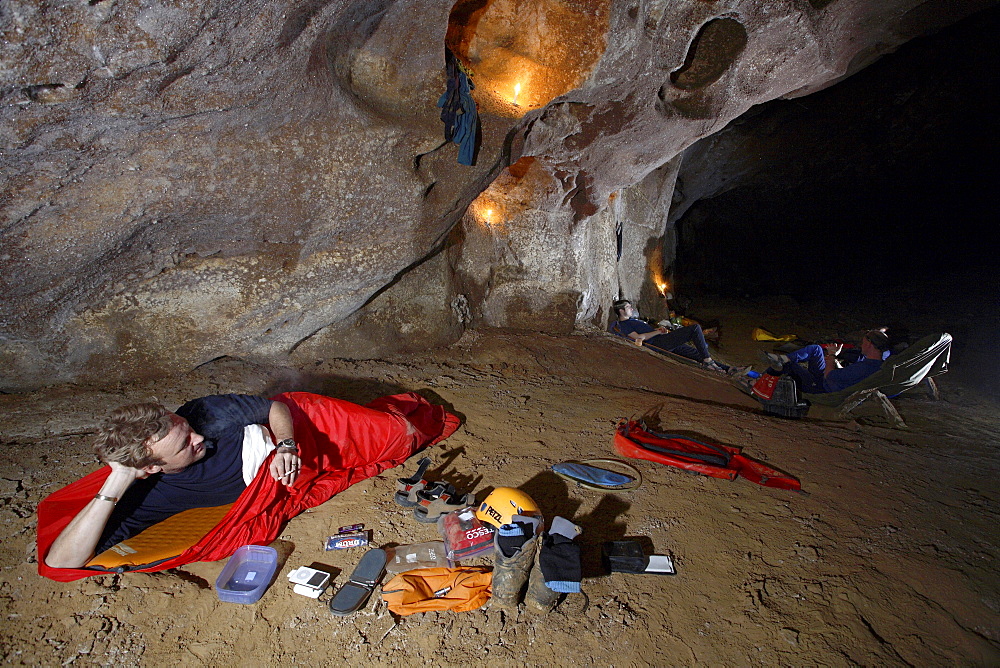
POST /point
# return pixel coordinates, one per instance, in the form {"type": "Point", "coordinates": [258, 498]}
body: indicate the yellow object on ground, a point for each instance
{"type": "Point", "coordinates": [163, 540]}
{"type": "Point", "coordinates": [760, 334]}
{"type": "Point", "coordinates": [435, 589]}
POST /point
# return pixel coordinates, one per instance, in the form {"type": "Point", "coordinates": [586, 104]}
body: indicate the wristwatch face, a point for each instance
{"type": "Point", "coordinates": [287, 443]}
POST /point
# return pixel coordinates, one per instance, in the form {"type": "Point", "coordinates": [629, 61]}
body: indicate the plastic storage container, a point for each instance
{"type": "Point", "coordinates": [247, 574]}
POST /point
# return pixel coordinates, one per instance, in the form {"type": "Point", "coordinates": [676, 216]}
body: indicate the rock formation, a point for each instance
{"type": "Point", "coordinates": [194, 179]}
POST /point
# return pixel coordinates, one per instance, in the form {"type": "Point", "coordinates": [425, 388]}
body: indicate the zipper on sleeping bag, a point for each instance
{"type": "Point", "coordinates": [722, 457]}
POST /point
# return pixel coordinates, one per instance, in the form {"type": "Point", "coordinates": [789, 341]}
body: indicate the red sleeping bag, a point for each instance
{"type": "Point", "coordinates": [632, 439]}
{"type": "Point", "coordinates": [340, 443]}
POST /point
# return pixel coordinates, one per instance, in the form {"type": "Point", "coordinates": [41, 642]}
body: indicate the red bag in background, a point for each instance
{"type": "Point", "coordinates": [633, 439]}
{"type": "Point", "coordinates": [464, 535]}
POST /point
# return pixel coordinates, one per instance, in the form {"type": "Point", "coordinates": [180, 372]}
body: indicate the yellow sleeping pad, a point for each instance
{"type": "Point", "coordinates": [163, 540]}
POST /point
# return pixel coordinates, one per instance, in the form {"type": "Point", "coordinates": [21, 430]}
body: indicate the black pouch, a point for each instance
{"type": "Point", "coordinates": [626, 556]}
{"type": "Point", "coordinates": [786, 401]}
{"type": "Point", "coordinates": [623, 556]}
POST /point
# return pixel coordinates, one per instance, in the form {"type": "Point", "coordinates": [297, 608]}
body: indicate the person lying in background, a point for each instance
{"type": "Point", "coordinates": [686, 341]}
{"type": "Point", "coordinates": [823, 372]}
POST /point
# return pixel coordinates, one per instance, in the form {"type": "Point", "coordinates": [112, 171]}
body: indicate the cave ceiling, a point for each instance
{"type": "Point", "coordinates": [189, 179]}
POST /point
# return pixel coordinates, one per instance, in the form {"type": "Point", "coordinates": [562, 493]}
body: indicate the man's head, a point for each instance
{"type": "Point", "coordinates": [623, 309]}
{"type": "Point", "coordinates": [148, 437]}
{"type": "Point", "coordinates": [874, 344]}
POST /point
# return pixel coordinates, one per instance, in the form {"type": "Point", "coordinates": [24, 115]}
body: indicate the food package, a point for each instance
{"type": "Point", "coordinates": [464, 535]}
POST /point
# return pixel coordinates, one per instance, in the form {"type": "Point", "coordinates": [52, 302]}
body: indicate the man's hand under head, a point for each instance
{"type": "Point", "coordinates": [124, 472]}
{"type": "Point", "coordinates": [75, 545]}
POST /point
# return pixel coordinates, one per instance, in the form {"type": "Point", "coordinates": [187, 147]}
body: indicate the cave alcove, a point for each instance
{"type": "Point", "coordinates": [525, 53]}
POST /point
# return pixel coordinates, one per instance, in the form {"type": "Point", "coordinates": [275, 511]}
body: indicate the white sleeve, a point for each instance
{"type": "Point", "coordinates": [257, 445]}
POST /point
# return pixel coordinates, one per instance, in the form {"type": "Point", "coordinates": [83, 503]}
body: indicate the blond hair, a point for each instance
{"type": "Point", "coordinates": [127, 433]}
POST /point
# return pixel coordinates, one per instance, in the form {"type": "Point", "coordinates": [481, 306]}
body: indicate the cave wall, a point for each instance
{"type": "Point", "coordinates": [644, 269]}
{"type": "Point", "coordinates": [189, 179]}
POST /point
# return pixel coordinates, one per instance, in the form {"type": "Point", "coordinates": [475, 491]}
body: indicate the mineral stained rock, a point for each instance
{"type": "Point", "coordinates": [192, 179]}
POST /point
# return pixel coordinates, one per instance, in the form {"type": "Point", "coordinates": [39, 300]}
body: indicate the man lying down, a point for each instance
{"type": "Point", "coordinates": [207, 453]}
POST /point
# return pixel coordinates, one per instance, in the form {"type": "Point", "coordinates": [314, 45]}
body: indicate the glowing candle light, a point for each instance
{"type": "Point", "coordinates": [489, 216]}
{"type": "Point", "coordinates": [517, 91]}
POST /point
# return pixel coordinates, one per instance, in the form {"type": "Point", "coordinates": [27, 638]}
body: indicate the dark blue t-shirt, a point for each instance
{"type": "Point", "coordinates": [662, 342]}
{"type": "Point", "coordinates": [215, 480]}
{"type": "Point", "coordinates": [838, 379]}
{"type": "Point", "coordinates": [632, 325]}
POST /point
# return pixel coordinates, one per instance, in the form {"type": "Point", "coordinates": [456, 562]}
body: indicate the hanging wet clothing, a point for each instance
{"type": "Point", "coordinates": [616, 206]}
{"type": "Point", "coordinates": [458, 111]}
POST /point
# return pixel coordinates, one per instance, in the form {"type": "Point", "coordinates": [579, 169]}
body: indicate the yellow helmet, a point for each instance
{"type": "Point", "coordinates": [503, 503]}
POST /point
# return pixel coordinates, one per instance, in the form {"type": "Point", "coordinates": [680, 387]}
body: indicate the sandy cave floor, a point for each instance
{"type": "Point", "coordinates": [889, 559]}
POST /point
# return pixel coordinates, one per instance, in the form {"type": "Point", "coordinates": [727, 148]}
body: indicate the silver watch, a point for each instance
{"type": "Point", "coordinates": [288, 443]}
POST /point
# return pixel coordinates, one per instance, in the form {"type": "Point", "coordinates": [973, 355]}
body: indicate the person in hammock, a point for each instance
{"type": "Point", "coordinates": [207, 452]}
{"type": "Point", "coordinates": [687, 341]}
{"type": "Point", "coordinates": [824, 372]}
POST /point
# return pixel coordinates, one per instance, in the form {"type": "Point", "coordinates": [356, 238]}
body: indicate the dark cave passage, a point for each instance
{"type": "Point", "coordinates": [881, 182]}
{"type": "Point", "coordinates": [870, 201]}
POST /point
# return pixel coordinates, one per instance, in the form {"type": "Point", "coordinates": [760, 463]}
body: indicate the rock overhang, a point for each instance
{"type": "Point", "coordinates": [292, 154]}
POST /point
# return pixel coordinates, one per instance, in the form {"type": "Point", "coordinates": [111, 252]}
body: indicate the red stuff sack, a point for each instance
{"type": "Point", "coordinates": [634, 439]}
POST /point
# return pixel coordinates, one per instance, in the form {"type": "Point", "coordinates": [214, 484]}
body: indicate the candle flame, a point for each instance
{"type": "Point", "coordinates": [517, 91]}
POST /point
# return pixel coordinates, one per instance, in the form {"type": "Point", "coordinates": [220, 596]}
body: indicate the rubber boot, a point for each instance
{"type": "Point", "coordinates": [539, 597]}
{"type": "Point", "coordinates": [510, 574]}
